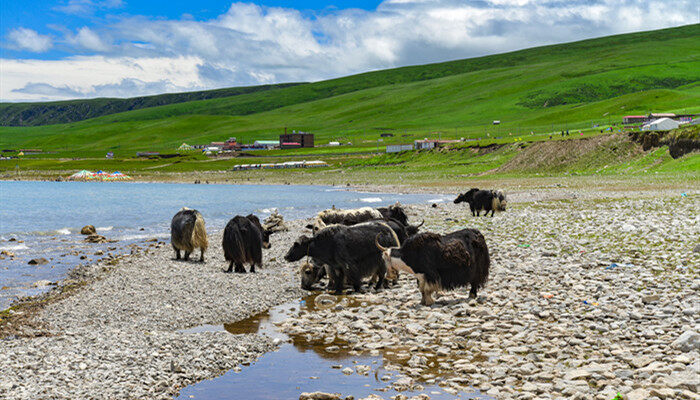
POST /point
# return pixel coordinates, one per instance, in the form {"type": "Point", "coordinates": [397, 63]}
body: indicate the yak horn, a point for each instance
{"type": "Point", "coordinates": [379, 246]}
{"type": "Point", "coordinates": [421, 224]}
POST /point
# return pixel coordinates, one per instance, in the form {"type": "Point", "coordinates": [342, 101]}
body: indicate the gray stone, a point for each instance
{"type": "Point", "coordinates": [687, 341]}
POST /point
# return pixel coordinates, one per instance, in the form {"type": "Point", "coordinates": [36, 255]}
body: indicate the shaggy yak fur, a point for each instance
{"type": "Point", "coordinates": [187, 232]}
{"type": "Point", "coordinates": [394, 211]}
{"type": "Point", "coordinates": [442, 262]}
{"type": "Point", "coordinates": [489, 200]}
{"type": "Point", "coordinates": [244, 239]}
{"type": "Point", "coordinates": [343, 217]}
{"type": "Point", "coordinates": [347, 251]}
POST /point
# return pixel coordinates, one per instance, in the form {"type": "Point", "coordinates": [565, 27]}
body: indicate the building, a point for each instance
{"type": "Point", "coordinates": [266, 144]}
{"type": "Point", "coordinates": [230, 145]}
{"type": "Point", "coordinates": [431, 143]}
{"type": "Point", "coordinates": [396, 148]}
{"type": "Point", "coordinates": [634, 119]}
{"type": "Point", "coordinates": [661, 124]}
{"type": "Point", "coordinates": [304, 139]}
{"type": "Point", "coordinates": [653, 116]}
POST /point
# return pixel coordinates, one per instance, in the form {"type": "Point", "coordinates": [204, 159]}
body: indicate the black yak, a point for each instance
{"type": "Point", "coordinates": [489, 200]}
{"type": "Point", "coordinates": [187, 232]}
{"type": "Point", "coordinates": [347, 251]}
{"type": "Point", "coordinates": [442, 262]}
{"type": "Point", "coordinates": [244, 239]}
{"type": "Point", "coordinates": [394, 211]}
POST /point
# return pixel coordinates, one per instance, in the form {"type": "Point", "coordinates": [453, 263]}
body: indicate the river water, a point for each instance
{"type": "Point", "coordinates": [43, 219]}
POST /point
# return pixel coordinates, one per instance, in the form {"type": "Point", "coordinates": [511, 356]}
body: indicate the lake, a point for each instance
{"type": "Point", "coordinates": [43, 219]}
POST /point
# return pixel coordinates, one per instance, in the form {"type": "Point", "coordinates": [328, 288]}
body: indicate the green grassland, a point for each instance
{"type": "Point", "coordinates": [581, 87]}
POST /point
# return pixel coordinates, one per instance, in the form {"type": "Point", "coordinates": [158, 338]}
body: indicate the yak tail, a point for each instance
{"type": "Point", "coordinates": [482, 261]}
{"type": "Point", "coordinates": [199, 234]}
{"type": "Point", "coordinates": [234, 249]}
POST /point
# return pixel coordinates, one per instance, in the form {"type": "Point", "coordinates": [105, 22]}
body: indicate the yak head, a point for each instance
{"type": "Point", "coordinates": [310, 274]}
{"type": "Point", "coordinates": [392, 260]}
{"type": "Point", "coordinates": [502, 202]}
{"type": "Point", "coordinates": [299, 249]}
{"type": "Point", "coordinates": [397, 212]}
{"type": "Point", "coordinates": [466, 197]}
{"type": "Point", "coordinates": [413, 229]}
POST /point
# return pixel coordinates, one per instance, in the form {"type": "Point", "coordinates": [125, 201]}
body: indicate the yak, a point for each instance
{"type": "Point", "coordinates": [442, 262]}
{"type": "Point", "coordinates": [347, 251]}
{"type": "Point", "coordinates": [343, 217]}
{"type": "Point", "coordinates": [187, 232]}
{"type": "Point", "coordinates": [489, 200]}
{"type": "Point", "coordinates": [244, 239]}
{"type": "Point", "coordinates": [394, 211]}
{"type": "Point", "coordinates": [313, 272]}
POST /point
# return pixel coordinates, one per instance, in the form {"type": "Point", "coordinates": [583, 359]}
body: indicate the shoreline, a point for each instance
{"type": "Point", "coordinates": [138, 305]}
{"type": "Point", "coordinates": [603, 183]}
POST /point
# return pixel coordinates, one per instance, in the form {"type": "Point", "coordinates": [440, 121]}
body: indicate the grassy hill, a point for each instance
{"type": "Point", "coordinates": [32, 114]}
{"type": "Point", "coordinates": [569, 86]}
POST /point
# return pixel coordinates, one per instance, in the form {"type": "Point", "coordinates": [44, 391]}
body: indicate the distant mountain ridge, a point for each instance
{"type": "Point", "coordinates": [57, 112]}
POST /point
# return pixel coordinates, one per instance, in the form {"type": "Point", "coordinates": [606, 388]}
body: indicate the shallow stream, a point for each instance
{"type": "Point", "coordinates": [301, 366]}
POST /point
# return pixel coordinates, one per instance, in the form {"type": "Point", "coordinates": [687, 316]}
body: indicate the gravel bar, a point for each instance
{"type": "Point", "coordinates": [589, 295]}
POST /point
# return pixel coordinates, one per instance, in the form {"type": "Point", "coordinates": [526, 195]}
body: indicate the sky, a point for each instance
{"type": "Point", "coordinates": [69, 49]}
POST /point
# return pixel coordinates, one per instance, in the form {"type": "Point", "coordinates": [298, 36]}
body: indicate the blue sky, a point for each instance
{"type": "Point", "coordinates": [63, 49]}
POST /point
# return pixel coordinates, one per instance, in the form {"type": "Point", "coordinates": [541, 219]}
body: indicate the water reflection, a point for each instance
{"type": "Point", "coordinates": [307, 365]}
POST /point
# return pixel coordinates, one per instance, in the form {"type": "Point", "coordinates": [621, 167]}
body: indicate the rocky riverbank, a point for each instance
{"type": "Point", "coordinates": [588, 297]}
{"type": "Point", "coordinates": [117, 336]}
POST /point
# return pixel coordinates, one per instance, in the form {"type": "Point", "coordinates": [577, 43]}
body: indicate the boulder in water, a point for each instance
{"type": "Point", "coordinates": [88, 230]}
{"type": "Point", "coordinates": [38, 261]}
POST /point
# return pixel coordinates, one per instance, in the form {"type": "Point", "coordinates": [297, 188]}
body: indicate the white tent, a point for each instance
{"type": "Point", "coordinates": [661, 124]}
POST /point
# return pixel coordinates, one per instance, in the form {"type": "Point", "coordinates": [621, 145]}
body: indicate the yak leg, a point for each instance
{"type": "Point", "coordinates": [252, 267]}
{"type": "Point", "coordinates": [201, 256]}
{"type": "Point", "coordinates": [426, 291]}
{"type": "Point", "coordinates": [337, 277]}
{"type": "Point", "coordinates": [230, 267]}
{"type": "Point", "coordinates": [187, 255]}
{"type": "Point", "coordinates": [240, 268]}
{"type": "Point", "coordinates": [473, 211]}
{"type": "Point", "coordinates": [492, 212]}
{"type": "Point", "coordinates": [472, 292]}
{"type": "Point", "coordinates": [177, 253]}
{"type": "Point", "coordinates": [381, 275]}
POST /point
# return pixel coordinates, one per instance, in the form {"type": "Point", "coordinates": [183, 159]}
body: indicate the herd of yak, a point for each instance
{"type": "Point", "coordinates": [348, 246]}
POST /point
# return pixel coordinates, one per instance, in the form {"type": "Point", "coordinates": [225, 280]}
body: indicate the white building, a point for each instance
{"type": "Point", "coordinates": [661, 124]}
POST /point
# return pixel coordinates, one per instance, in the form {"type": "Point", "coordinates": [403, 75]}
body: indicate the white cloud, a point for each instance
{"type": "Point", "coordinates": [251, 44]}
{"type": "Point", "coordinates": [28, 39]}
{"type": "Point", "coordinates": [89, 40]}
{"type": "Point", "coordinates": [93, 76]}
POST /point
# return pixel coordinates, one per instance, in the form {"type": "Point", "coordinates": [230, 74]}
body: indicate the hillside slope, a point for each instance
{"type": "Point", "coordinates": [56, 112]}
{"type": "Point", "coordinates": [550, 88]}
